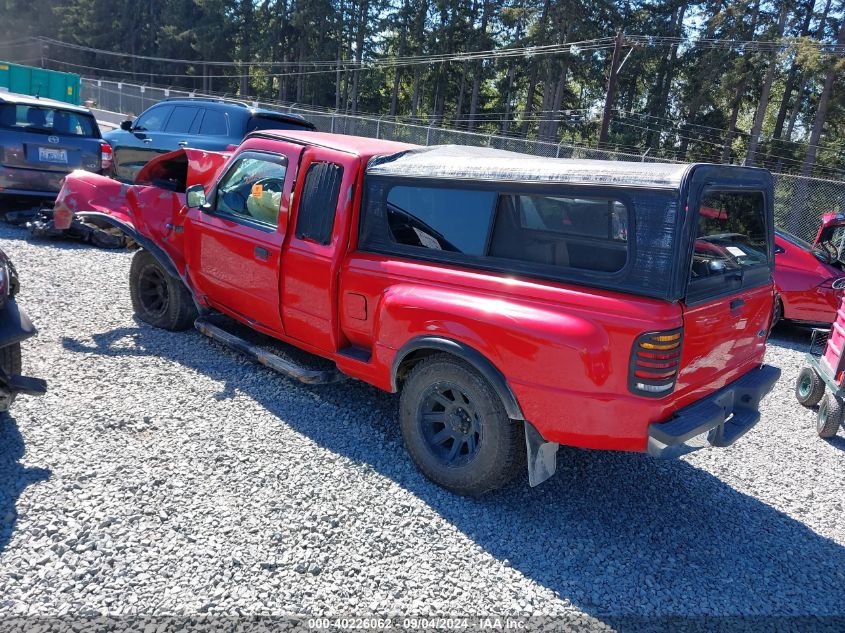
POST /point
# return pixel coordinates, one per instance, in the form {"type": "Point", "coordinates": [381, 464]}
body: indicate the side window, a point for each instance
{"type": "Point", "coordinates": [443, 219]}
{"type": "Point", "coordinates": [181, 119]}
{"type": "Point", "coordinates": [590, 233]}
{"type": "Point", "coordinates": [252, 189]}
{"type": "Point", "coordinates": [214, 123]}
{"type": "Point", "coordinates": [318, 203]}
{"type": "Point", "coordinates": [153, 120]}
{"type": "Point", "coordinates": [731, 237]}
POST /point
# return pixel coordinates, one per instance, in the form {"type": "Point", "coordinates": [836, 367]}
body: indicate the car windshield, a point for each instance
{"type": "Point", "coordinates": [795, 241]}
{"type": "Point", "coordinates": [46, 120]}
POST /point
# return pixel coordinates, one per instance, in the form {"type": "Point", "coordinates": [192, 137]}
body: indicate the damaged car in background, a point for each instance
{"type": "Point", "coordinates": [810, 277]}
{"type": "Point", "coordinates": [516, 303]}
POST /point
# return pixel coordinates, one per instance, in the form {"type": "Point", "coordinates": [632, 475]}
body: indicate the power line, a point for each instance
{"type": "Point", "coordinates": [576, 47]}
{"type": "Point", "coordinates": [831, 170]}
{"type": "Point", "coordinates": [676, 125]}
{"type": "Point", "coordinates": [346, 64]}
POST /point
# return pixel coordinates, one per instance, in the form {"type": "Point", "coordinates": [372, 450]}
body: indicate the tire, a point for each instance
{"type": "Point", "coordinates": [10, 361]}
{"type": "Point", "coordinates": [465, 442]}
{"type": "Point", "coordinates": [158, 298]}
{"type": "Point", "coordinates": [777, 315]}
{"type": "Point", "coordinates": [809, 388]}
{"type": "Point", "coordinates": [831, 414]}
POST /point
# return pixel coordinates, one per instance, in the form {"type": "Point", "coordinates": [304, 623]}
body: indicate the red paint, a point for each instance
{"type": "Point", "coordinates": [564, 349]}
{"type": "Point", "coordinates": [803, 284]}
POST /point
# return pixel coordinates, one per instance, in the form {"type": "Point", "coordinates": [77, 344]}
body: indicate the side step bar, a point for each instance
{"type": "Point", "coordinates": [268, 359]}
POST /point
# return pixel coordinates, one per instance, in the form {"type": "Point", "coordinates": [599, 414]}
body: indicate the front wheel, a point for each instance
{"type": "Point", "coordinates": [158, 298]}
{"type": "Point", "coordinates": [809, 388]}
{"type": "Point", "coordinates": [456, 429]}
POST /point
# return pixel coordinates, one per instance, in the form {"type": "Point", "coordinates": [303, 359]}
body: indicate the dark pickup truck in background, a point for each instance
{"type": "Point", "coordinates": [198, 123]}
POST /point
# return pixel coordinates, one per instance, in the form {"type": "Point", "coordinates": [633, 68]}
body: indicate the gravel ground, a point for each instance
{"type": "Point", "coordinates": [165, 475]}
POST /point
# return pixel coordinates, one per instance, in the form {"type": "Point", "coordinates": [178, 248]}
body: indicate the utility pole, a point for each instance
{"type": "Point", "coordinates": [615, 65]}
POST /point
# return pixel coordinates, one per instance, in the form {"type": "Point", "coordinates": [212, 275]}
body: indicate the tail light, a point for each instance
{"type": "Point", "coordinates": [655, 361]}
{"type": "Point", "coordinates": [106, 157]}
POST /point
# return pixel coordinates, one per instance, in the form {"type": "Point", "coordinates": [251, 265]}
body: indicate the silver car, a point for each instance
{"type": "Point", "coordinates": [42, 140]}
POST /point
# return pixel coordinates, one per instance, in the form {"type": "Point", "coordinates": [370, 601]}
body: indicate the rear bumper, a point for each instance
{"type": "Point", "coordinates": [724, 416]}
{"type": "Point", "coordinates": [30, 182]}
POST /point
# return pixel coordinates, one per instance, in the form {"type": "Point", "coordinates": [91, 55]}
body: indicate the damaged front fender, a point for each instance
{"type": "Point", "coordinates": [151, 211]}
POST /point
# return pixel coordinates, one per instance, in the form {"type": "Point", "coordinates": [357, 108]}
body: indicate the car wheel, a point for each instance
{"type": "Point", "coordinates": [456, 429]}
{"type": "Point", "coordinates": [809, 388]}
{"type": "Point", "coordinates": [831, 414]}
{"type": "Point", "coordinates": [10, 361]}
{"type": "Point", "coordinates": [777, 315]}
{"type": "Point", "coordinates": [158, 298]}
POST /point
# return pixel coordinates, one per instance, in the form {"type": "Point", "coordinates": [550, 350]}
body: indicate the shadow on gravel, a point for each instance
{"type": "Point", "coordinates": [839, 442]}
{"type": "Point", "coordinates": [615, 533]}
{"type": "Point", "coordinates": [791, 336]}
{"type": "Point", "coordinates": [13, 477]}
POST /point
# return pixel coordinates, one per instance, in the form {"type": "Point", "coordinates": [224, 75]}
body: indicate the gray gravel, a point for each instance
{"type": "Point", "coordinates": [165, 475]}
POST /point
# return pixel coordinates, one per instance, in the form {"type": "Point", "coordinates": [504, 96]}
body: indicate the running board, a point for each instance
{"type": "Point", "coordinates": [268, 359]}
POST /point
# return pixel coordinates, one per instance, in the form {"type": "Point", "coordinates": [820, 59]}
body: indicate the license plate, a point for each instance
{"type": "Point", "coordinates": [52, 155]}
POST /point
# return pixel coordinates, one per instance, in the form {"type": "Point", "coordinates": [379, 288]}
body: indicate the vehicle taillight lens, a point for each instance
{"type": "Point", "coordinates": [655, 360]}
{"type": "Point", "coordinates": [106, 156]}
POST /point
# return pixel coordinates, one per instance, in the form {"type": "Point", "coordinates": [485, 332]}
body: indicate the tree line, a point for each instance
{"type": "Point", "coordinates": [745, 81]}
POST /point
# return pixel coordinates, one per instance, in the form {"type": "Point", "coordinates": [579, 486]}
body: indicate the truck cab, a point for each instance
{"type": "Point", "coordinates": [516, 302]}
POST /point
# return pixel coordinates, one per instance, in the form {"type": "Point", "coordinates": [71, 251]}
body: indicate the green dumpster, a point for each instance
{"type": "Point", "coordinates": [51, 84]}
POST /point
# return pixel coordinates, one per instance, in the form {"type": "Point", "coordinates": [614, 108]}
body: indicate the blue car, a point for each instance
{"type": "Point", "coordinates": [199, 123]}
{"type": "Point", "coordinates": [42, 141]}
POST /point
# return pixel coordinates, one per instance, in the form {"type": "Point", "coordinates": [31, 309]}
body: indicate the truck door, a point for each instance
{"type": "Point", "coordinates": [311, 261]}
{"type": "Point", "coordinates": [234, 245]}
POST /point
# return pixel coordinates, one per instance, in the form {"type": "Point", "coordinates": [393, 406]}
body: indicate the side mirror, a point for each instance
{"type": "Point", "coordinates": [126, 125]}
{"type": "Point", "coordinates": [716, 266]}
{"type": "Point", "coordinates": [195, 197]}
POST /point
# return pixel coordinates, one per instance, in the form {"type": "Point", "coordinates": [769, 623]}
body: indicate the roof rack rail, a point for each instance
{"type": "Point", "coordinates": [210, 99]}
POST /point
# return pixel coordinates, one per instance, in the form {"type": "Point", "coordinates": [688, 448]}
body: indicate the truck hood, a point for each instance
{"type": "Point", "coordinates": [183, 168]}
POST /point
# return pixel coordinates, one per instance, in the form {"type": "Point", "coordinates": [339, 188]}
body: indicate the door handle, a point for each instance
{"type": "Point", "coordinates": [183, 143]}
{"type": "Point", "coordinates": [261, 253]}
{"type": "Point", "coordinates": [148, 140]}
{"type": "Point", "coordinates": [736, 304]}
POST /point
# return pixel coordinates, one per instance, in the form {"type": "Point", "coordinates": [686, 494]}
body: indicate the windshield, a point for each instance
{"type": "Point", "coordinates": [47, 120]}
{"type": "Point", "coordinates": [795, 241]}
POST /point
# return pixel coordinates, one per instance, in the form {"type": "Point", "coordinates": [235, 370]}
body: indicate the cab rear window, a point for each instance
{"type": "Point", "coordinates": [47, 120]}
{"type": "Point", "coordinates": [271, 123]}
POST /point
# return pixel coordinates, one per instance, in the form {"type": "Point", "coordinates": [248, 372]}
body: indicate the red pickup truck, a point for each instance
{"type": "Point", "coordinates": [517, 302]}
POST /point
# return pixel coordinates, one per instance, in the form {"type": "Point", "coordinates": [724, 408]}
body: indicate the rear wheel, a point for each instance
{"type": "Point", "coordinates": [158, 298]}
{"type": "Point", "coordinates": [831, 414]}
{"type": "Point", "coordinates": [456, 428]}
{"type": "Point", "coordinates": [809, 388]}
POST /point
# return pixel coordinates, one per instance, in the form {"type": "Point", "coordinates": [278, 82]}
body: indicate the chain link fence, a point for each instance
{"type": "Point", "coordinates": [799, 201]}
